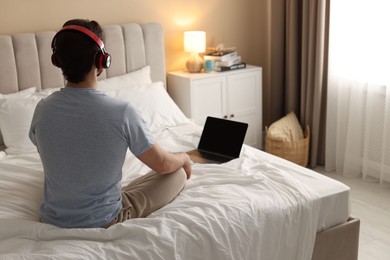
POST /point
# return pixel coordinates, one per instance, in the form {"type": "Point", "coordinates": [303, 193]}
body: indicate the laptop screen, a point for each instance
{"type": "Point", "coordinates": [223, 136]}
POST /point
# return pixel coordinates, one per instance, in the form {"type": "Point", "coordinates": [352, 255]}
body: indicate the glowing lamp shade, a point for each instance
{"type": "Point", "coordinates": [194, 43]}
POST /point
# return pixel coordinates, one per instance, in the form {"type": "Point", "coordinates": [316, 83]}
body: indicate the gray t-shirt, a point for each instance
{"type": "Point", "coordinates": [82, 136]}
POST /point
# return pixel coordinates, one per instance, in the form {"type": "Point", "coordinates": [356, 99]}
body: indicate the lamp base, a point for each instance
{"type": "Point", "coordinates": [194, 64]}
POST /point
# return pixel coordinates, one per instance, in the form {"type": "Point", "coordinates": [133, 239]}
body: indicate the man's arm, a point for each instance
{"type": "Point", "coordinates": [164, 162]}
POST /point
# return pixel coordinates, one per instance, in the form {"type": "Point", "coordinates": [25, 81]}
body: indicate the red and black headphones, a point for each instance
{"type": "Point", "coordinates": [102, 58]}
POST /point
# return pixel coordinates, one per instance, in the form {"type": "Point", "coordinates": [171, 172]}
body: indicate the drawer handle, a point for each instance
{"type": "Point", "coordinates": [225, 116]}
{"type": "Point", "coordinates": [232, 115]}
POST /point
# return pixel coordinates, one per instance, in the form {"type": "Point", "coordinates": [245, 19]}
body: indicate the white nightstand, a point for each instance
{"type": "Point", "coordinates": [235, 95]}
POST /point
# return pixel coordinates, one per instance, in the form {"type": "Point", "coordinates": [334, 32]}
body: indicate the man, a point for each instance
{"type": "Point", "coordinates": [82, 137]}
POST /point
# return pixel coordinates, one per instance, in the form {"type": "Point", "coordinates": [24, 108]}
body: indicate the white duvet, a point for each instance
{"type": "Point", "coordinates": [248, 208]}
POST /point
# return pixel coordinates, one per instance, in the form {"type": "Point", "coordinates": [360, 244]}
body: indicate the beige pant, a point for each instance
{"type": "Point", "coordinates": [148, 193]}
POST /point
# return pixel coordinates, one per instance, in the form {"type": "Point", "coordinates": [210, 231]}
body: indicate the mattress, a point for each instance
{"type": "Point", "coordinates": [253, 207]}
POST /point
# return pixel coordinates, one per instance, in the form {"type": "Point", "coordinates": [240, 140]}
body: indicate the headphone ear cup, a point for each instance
{"type": "Point", "coordinates": [106, 60]}
{"type": "Point", "coordinates": [102, 60]}
{"type": "Point", "coordinates": [54, 60]}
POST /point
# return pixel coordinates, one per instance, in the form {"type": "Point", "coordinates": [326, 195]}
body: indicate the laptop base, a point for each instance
{"type": "Point", "coordinates": [205, 157]}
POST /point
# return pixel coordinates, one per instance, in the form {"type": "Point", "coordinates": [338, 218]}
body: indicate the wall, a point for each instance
{"type": "Point", "coordinates": [237, 23]}
{"type": "Point", "coordinates": [240, 23]}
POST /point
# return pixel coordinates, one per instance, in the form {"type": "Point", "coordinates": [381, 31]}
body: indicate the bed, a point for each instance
{"type": "Point", "coordinates": [255, 207]}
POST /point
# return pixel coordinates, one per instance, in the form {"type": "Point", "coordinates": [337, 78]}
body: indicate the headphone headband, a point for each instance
{"type": "Point", "coordinates": [86, 31]}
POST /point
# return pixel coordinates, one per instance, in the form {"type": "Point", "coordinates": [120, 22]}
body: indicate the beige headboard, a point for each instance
{"type": "Point", "coordinates": [25, 59]}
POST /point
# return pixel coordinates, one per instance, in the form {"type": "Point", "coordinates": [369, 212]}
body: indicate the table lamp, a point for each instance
{"type": "Point", "coordinates": [194, 43]}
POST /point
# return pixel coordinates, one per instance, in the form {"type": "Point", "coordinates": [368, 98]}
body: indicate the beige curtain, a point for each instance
{"type": "Point", "coordinates": [299, 43]}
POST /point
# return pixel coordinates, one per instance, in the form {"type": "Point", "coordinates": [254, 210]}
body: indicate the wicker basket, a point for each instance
{"type": "Point", "coordinates": [294, 151]}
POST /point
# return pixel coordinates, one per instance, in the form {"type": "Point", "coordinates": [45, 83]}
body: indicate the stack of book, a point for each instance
{"type": "Point", "coordinates": [225, 59]}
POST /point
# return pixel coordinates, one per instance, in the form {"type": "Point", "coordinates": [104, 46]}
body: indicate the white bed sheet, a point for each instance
{"type": "Point", "coordinates": [254, 207]}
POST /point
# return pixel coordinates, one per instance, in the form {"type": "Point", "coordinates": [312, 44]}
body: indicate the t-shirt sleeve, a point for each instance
{"type": "Point", "coordinates": [137, 132]}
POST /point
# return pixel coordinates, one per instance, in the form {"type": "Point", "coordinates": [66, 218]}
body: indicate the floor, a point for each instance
{"type": "Point", "coordinates": [371, 204]}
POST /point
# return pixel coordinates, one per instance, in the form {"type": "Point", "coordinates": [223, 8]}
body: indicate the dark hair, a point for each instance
{"type": "Point", "coordinates": [76, 51]}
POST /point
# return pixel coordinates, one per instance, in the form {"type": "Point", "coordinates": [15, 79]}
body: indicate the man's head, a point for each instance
{"type": "Point", "coordinates": [77, 47]}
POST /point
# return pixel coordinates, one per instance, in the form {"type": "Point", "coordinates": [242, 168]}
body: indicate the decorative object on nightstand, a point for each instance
{"type": "Point", "coordinates": [209, 65]}
{"type": "Point", "coordinates": [194, 43]}
{"type": "Point", "coordinates": [241, 65]}
{"type": "Point", "coordinates": [225, 59]}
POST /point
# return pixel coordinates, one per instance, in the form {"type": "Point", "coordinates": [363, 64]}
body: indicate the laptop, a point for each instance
{"type": "Point", "coordinates": [221, 141]}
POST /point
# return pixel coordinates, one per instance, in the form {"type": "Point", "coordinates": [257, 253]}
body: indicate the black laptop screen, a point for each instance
{"type": "Point", "coordinates": [223, 136]}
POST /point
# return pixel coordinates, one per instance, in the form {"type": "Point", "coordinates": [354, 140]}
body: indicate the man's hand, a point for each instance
{"type": "Point", "coordinates": [164, 162]}
{"type": "Point", "coordinates": [187, 166]}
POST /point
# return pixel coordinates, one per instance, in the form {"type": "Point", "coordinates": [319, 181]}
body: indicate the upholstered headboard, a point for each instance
{"type": "Point", "coordinates": [25, 59]}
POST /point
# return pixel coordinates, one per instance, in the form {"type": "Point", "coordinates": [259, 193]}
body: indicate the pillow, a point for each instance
{"type": "Point", "coordinates": [286, 129]}
{"type": "Point", "coordinates": [48, 91]}
{"type": "Point", "coordinates": [24, 92]}
{"type": "Point", "coordinates": [129, 80]}
{"type": "Point", "coordinates": [156, 106]}
{"type": "Point", "coordinates": [16, 113]}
